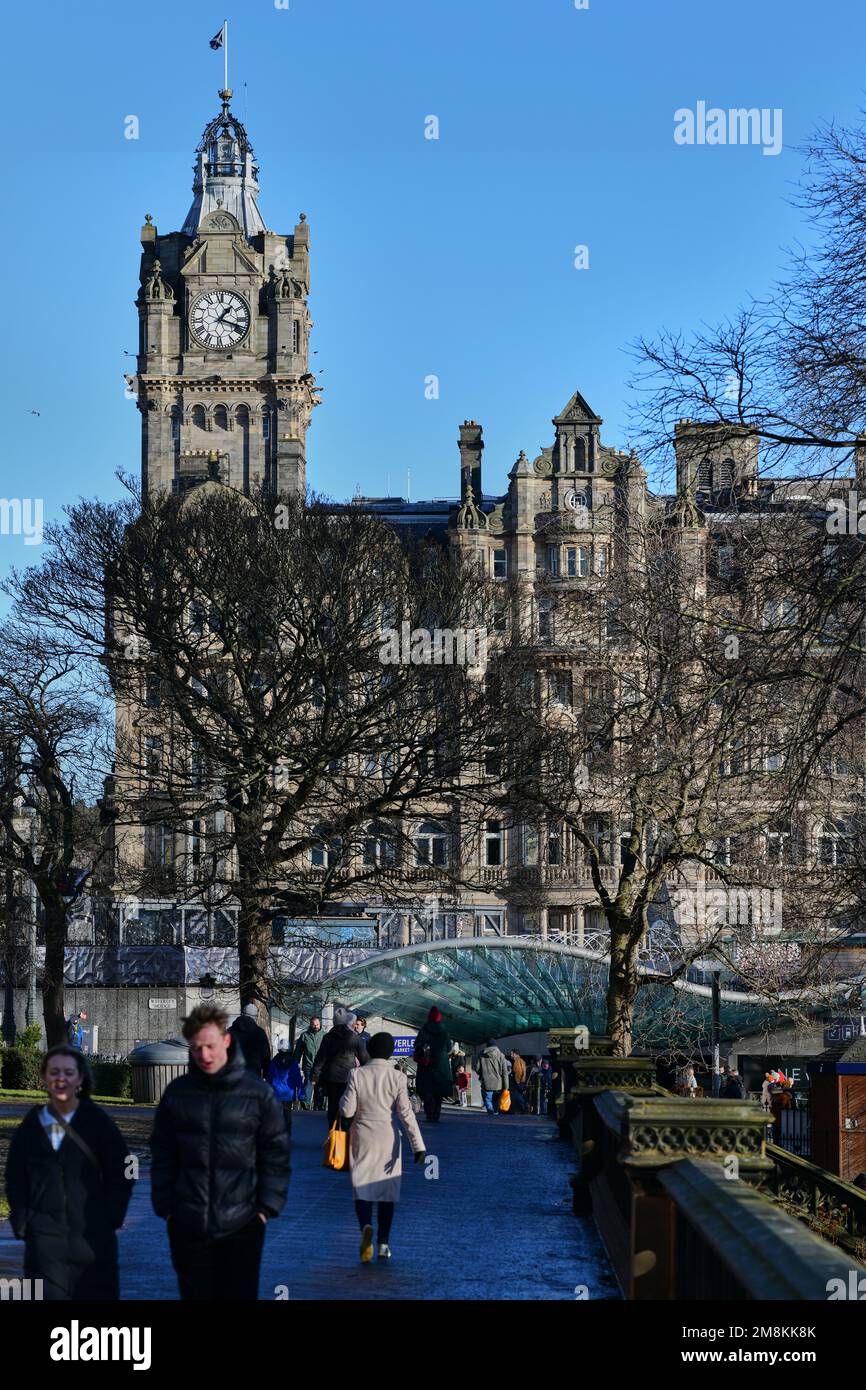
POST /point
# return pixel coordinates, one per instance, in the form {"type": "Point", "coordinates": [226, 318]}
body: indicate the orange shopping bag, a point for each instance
{"type": "Point", "coordinates": [505, 1101]}
{"type": "Point", "coordinates": [336, 1149]}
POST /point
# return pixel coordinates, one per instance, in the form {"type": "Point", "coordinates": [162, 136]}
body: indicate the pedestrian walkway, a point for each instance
{"type": "Point", "coordinates": [495, 1223]}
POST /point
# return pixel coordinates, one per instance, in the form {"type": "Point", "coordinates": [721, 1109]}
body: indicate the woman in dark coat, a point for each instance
{"type": "Point", "coordinates": [433, 1079]}
{"type": "Point", "coordinates": [67, 1185]}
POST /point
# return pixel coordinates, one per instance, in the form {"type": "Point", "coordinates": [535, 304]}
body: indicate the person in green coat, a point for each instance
{"type": "Point", "coordinates": [305, 1053]}
{"type": "Point", "coordinates": [433, 1080]}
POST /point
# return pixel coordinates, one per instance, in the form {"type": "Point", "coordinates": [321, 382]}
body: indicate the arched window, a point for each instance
{"type": "Point", "coordinates": [580, 454]}
{"type": "Point", "coordinates": [242, 415]}
{"type": "Point", "coordinates": [723, 474]}
{"type": "Point", "coordinates": [380, 851]}
{"type": "Point", "coordinates": [198, 417]}
{"type": "Point", "coordinates": [221, 418]}
{"type": "Point", "coordinates": [431, 844]}
{"type": "Point", "coordinates": [704, 475]}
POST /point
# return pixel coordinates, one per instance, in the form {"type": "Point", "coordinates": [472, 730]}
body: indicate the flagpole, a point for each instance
{"type": "Point", "coordinates": [226, 54]}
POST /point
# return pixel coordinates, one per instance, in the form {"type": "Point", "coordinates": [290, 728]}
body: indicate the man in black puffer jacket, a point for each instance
{"type": "Point", "coordinates": [341, 1051]}
{"type": "Point", "coordinates": [220, 1164]}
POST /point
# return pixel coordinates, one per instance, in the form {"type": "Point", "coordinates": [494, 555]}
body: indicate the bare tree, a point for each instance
{"type": "Point", "coordinates": [294, 684]}
{"type": "Point", "coordinates": [55, 741]}
{"type": "Point", "coordinates": [658, 746]}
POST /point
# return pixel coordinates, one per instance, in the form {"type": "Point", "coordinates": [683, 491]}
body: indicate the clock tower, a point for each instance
{"type": "Point", "coordinates": [224, 385]}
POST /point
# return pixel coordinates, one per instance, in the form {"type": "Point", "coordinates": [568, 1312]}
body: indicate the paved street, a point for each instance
{"type": "Point", "coordinates": [496, 1223]}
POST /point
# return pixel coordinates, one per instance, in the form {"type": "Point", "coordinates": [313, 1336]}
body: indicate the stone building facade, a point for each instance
{"type": "Point", "coordinates": [226, 395]}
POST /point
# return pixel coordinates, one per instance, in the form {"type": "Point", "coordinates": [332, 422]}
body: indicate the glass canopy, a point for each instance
{"type": "Point", "coordinates": [493, 987]}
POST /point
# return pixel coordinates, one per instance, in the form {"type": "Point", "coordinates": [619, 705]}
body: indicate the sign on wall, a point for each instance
{"type": "Point", "coordinates": [162, 1003]}
{"type": "Point", "coordinates": [841, 1030]}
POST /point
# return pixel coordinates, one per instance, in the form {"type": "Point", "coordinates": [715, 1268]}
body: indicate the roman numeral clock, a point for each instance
{"type": "Point", "coordinates": [224, 384]}
{"type": "Point", "coordinates": [219, 318]}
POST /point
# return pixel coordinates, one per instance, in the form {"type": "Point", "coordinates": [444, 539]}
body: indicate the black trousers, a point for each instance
{"type": "Point", "coordinates": [385, 1215]}
{"type": "Point", "coordinates": [335, 1091]}
{"type": "Point", "coordinates": [432, 1108]}
{"type": "Point", "coordinates": [222, 1269]}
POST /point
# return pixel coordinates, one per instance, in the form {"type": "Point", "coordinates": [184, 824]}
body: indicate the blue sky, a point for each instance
{"type": "Point", "coordinates": [452, 257]}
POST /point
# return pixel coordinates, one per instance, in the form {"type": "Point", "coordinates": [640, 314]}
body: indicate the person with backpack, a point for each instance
{"type": "Point", "coordinates": [285, 1078]}
{"type": "Point", "coordinates": [433, 1080]}
{"type": "Point", "coordinates": [733, 1088]}
{"type": "Point", "coordinates": [493, 1075]}
{"type": "Point", "coordinates": [252, 1040]}
{"type": "Point", "coordinates": [341, 1052]}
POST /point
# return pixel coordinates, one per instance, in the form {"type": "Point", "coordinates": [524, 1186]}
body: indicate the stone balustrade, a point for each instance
{"type": "Point", "coordinates": [682, 1190]}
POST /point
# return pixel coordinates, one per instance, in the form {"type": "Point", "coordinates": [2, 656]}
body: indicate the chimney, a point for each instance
{"type": "Point", "coordinates": [471, 444]}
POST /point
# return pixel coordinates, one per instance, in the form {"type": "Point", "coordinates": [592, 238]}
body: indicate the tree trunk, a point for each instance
{"type": "Point", "coordinates": [10, 938]}
{"type": "Point", "coordinates": [254, 940]}
{"type": "Point", "coordinates": [53, 995]}
{"type": "Point", "coordinates": [622, 992]}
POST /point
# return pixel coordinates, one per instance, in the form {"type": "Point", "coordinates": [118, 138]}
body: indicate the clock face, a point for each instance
{"type": "Point", "coordinates": [219, 318]}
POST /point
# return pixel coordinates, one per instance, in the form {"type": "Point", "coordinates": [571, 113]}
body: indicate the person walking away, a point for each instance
{"type": "Point", "coordinates": [285, 1079]}
{"type": "Point", "coordinates": [253, 1041]}
{"type": "Point", "coordinates": [68, 1185]}
{"type": "Point", "coordinates": [341, 1051]}
{"type": "Point", "coordinates": [518, 1084]}
{"type": "Point", "coordinates": [375, 1099]}
{"type": "Point", "coordinates": [306, 1050]}
{"type": "Point", "coordinates": [433, 1079]}
{"type": "Point", "coordinates": [220, 1164]}
{"type": "Point", "coordinates": [461, 1081]}
{"type": "Point", "coordinates": [493, 1075]}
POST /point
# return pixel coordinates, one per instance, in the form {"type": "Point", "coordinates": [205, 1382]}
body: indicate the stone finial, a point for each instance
{"type": "Point", "coordinates": [470, 517]}
{"type": "Point", "coordinates": [685, 512]}
{"type": "Point", "coordinates": [156, 287]}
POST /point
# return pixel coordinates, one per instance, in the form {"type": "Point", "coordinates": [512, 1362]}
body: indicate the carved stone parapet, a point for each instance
{"type": "Point", "coordinates": [656, 1130]}
{"type": "Point", "coordinates": [596, 1071]}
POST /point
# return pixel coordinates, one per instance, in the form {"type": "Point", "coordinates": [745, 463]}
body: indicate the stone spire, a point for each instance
{"type": "Point", "coordinates": [225, 174]}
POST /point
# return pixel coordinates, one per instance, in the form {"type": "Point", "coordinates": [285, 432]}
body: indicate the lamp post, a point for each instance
{"type": "Point", "coordinates": [711, 966]}
{"type": "Point", "coordinates": [717, 1031]}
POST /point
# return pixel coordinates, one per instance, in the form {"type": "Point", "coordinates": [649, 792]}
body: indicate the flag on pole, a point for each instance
{"type": "Point", "coordinates": [217, 40]}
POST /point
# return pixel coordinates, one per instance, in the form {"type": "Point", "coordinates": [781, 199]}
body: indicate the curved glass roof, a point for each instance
{"type": "Point", "coordinates": [492, 987]}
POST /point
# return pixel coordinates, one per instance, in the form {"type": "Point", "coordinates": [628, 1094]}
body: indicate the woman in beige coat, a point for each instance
{"type": "Point", "coordinates": [375, 1097]}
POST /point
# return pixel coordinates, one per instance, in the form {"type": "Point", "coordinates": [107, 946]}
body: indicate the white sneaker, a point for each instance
{"type": "Point", "coordinates": [384, 1252]}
